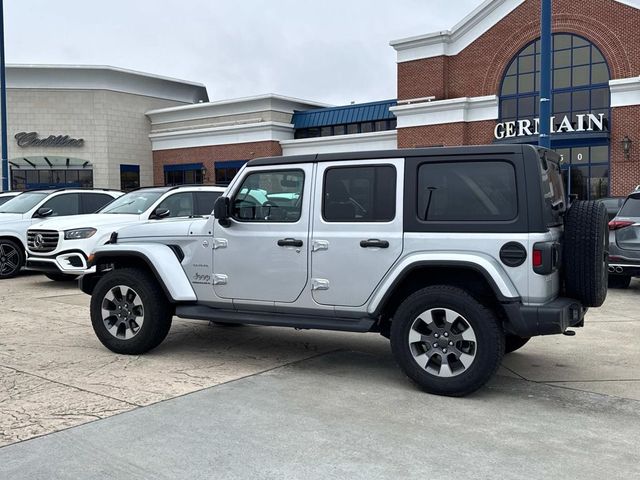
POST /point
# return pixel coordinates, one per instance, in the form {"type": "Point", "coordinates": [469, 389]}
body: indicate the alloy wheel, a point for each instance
{"type": "Point", "coordinates": [9, 259]}
{"type": "Point", "coordinates": [442, 342]}
{"type": "Point", "coordinates": [122, 312]}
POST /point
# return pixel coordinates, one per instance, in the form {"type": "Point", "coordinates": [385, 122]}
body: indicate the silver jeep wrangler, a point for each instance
{"type": "Point", "coordinates": [458, 255]}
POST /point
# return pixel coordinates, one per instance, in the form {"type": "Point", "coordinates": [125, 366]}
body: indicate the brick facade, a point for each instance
{"type": "Point", "coordinates": [478, 71]}
{"type": "Point", "coordinates": [209, 155]}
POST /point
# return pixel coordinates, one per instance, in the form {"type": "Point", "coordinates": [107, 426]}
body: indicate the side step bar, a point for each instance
{"type": "Point", "coordinates": [200, 312]}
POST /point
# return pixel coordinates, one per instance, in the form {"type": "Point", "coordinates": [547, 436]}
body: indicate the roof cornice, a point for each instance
{"type": "Point", "coordinates": [464, 33]}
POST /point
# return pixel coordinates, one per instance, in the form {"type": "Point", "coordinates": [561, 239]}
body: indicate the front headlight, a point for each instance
{"type": "Point", "coordinates": [79, 233]}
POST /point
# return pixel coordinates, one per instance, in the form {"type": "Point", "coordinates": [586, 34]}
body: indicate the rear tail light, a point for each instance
{"type": "Point", "coordinates": [618, 224]}
{"type": "Point", "coordinates": [537, 258]}
{"type": "Point", "coordinates": [545, 257]}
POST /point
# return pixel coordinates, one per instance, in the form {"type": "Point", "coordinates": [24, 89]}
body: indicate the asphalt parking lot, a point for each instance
{"type": "Point", "coordinates": [280, 403]}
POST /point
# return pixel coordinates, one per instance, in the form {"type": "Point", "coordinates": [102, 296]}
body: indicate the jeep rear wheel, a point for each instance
{"type": "Point", "coordinates": [446, 341]}
{"type": "Point", "coordinates": [11, 258]}
{"type": "Point", "coordinates": [129, 312]}
{"type": "Point", "coordinates": [585, 253]}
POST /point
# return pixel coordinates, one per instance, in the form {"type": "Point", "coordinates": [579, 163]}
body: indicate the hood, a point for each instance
{"type": "Point", "coordinates": [176, 227]}
{"type": "Point", "coordinates": [95, 220]}
{"type": "Point", "coordinates": [10, 217]}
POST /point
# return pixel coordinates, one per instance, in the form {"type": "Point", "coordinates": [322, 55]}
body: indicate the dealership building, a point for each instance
{"type": "Point", "coordinates": [476, 83]}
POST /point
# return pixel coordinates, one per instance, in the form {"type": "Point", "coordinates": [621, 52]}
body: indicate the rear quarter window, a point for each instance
{"type": "Point", "coordinates": [631, 208]}
{"type": "Point", "coordinates": [467, 191]}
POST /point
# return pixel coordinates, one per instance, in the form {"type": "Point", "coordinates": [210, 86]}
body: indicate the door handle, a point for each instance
{"type": "Point", "coordinates": [374, 243]}
{"type": "Point", "coordinates": [289, 242]}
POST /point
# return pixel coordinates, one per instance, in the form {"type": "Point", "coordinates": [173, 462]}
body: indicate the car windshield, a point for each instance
{"type": "Point", "coordinates": [631, 208]}
{"type": "Point", "coordinates": [23, 202]}
{"type": "Point", "coordinates": [4, 200]}
{"type": "Point", "coordinates": [133, 203]}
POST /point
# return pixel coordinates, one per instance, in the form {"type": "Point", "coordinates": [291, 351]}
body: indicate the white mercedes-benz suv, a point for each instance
{"type": "Point", "coordinates": [60, 248]}
{"type": "Point", "coordinates": [22, 211]}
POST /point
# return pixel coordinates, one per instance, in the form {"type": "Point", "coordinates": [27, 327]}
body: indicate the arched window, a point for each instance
{"type": "Point", "coordinates": [580, 94]}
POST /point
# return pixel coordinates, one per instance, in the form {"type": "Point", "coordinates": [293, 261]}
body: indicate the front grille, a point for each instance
{"type": "Point", "coordinates": [42, 240]}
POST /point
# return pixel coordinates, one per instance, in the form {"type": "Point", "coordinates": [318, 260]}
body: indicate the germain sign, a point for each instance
{"type": "Point", "coordinates": [31, 139]}
{"type": "Point", "coordinates": [587, 122]}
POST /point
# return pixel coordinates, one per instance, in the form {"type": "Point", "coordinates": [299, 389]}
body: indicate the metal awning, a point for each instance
{"type": "Point", "coordinates": [363, 112]}
{"type": "Point", "coordinates": [49, 162]}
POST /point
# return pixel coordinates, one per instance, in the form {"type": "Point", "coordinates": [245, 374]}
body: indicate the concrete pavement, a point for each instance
{"type": "Point", "coordinates": [54, 375]}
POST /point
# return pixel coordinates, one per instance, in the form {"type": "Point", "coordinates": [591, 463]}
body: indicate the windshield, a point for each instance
{"type": "Point", "coordinates": [23, 202]}
{"type": "Point", "coordinates": [133, 203]}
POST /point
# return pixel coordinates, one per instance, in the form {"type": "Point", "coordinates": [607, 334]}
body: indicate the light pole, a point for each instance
{"type": "Point", "coordinates": [3, 108]}
{"type": "Point", "coordinates": [544, 139]}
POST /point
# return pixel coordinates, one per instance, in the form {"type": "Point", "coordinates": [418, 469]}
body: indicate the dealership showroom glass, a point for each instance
{"type": "Point", "coordinates": [477, 83]}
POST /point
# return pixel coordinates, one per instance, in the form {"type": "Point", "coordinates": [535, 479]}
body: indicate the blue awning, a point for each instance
{"type": "Point", "coordinates": [230, 164]}
{"type": "Point", "coordinates": [130, 168]}
{"type": "Point", "coordinates": [363, 112]}
{"type": "Point", "coordinates": [183, 167]}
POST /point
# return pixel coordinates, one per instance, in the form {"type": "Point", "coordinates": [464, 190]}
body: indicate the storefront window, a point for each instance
{"type": "Point", "coordinates": [187, 174]}
{"type": "Point", "coordinates": [580, 107]}
{"type": "Point", "coordinates": [50, 178]}
{"type": "Point", "coordinates": [129, 177]}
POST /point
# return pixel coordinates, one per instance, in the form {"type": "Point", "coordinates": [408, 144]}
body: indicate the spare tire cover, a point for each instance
{"type": "Point", "coordinates": [585, 253]}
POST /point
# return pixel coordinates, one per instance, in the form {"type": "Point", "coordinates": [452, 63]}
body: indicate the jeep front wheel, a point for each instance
{"type": "Point", "coordinates": [446, 341]}
{"type": "Point", "coordinates": [129, 312]}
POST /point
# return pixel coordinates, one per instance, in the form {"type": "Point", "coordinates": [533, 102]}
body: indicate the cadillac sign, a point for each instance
{"type": "Point", "coordinates": [31, 139]}
{"type": "Point", "coordinates": [587, 122]}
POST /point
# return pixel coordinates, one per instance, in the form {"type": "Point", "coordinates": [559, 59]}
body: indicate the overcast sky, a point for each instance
{"type": "Point", "coordinates": [335, 51]}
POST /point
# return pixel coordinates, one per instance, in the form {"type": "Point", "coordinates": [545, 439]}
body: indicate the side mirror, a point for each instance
{"type": "Point", "coordinates": [43, 212]}
{"type": "Point", "coordinates": [222, 211]}
{"type": "Point", "coordinates": [159, 213]}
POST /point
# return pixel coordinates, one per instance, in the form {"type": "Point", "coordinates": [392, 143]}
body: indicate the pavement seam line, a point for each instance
{"type": "Point", "coordinates": [70, 386]}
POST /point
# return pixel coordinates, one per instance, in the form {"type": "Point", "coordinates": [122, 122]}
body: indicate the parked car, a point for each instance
{"type": "Point", "coordinates": [613, 205]}
{"type": "Point", "coordinates": [60, 247]}
{"type": "Point", "coordinates": [624, 243]}
{"type": "Point", "coordinates": [6, 196]}
{"type": "Point", "coordinates": [22, 211]}
{"type": "Point", "coordinates": [455, 254]}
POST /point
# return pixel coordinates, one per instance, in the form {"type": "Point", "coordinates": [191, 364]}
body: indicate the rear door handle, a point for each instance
{"type": "Point", "coordinates": [374, 243]}
{"type": "Point", "coordinates": [289, 242]}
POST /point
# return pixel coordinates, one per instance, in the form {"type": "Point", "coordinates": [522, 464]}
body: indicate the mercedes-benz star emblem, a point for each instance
{"type": "Point", "coordinates": [38, 241]}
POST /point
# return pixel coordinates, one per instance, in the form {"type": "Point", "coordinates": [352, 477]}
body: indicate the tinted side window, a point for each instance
{"type": "Point", "coordinates": [92, 202]}
{"type": "Point", "coordinates": [467, 191]}
{"type": "Point", "coordinates": [204, 202]}
{"type": "Point", "coordinates": [631, 208]}
{"type": "Point", "coordinates": [65, 204]}
{"type": "Point", "coordinates": [359, 194]}
{"type": "Point", "coordinates": [179, 204]}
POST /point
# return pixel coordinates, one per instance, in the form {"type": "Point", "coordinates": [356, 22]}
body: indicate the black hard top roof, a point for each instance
{"type": "Point", "coordinates": [398, 153]}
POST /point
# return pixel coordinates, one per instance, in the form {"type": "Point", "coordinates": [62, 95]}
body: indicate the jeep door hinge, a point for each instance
{"type": "Point", "coordinates": [220, 243]}
{"type": "Point", "coordinates": [220, 279]}
{"type": "Point", "coordinates": [319, 245]}
{"type": "Point", "coordinates": [319, 284]}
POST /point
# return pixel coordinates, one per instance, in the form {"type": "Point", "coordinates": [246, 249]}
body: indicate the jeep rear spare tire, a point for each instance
{"type": "Point", "coordinates": [585, 253]}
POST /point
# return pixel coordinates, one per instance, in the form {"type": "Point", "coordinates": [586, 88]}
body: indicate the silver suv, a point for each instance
{"type": "Point", "coordinates": [625, 243]}
{"type": "Point", "coordinates": [457, 255]}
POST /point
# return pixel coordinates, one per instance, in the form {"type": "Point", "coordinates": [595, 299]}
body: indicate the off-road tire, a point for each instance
{"type": "Point", "coordinates": [158, 311]}
{"type": "Point", "coordinates": [513, 343]}
{"type": "Point", "coordinates": [619, 281]}
{"type": "Point", "coordinates": [585, 253]}
{"type": "Point", "coordinates": [60, 277]}
{"type": "Point", "coordinates": [12, 249]}
{"type": "Point", "coordinates": [487, 328]}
